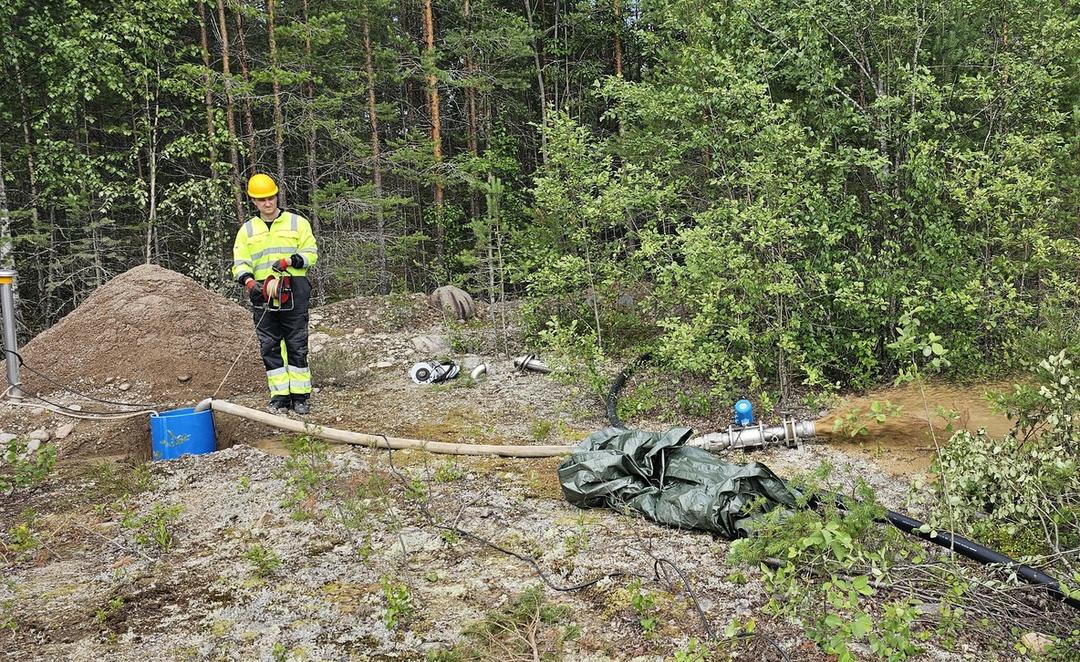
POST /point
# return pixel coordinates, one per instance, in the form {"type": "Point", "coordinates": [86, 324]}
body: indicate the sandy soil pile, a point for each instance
{"type": "Point", "coordinates": [161, 332]}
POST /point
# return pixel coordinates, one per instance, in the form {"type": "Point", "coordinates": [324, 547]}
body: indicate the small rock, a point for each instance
{"type": "Point", "coordinates": [33, 445]}
{"type": "Point", "coordinates": [37, 411]}
{"type": "Point", "coordinates": [434, 345]}
{"type": "Point", "coordinates": [64, 431]}
{"type": "Point", "coordinates": [39, 435]}
{"type": "Point", "coordinates": [382, 365]}
{"type": "Point", "coordinates": [110, 380]}
{"type": "Point", "coordinates": [1036, 642]}
{"type": "Point", "coordinates": [75, 407]}
{"type": "Point", "coordinates": [125, 386]}
{"type": "Point", "coordinates": [5, 437]}
{"type": "Point", "coordinates": [183, 378]}
{"type": "Point", "coordinates": [469, 361]}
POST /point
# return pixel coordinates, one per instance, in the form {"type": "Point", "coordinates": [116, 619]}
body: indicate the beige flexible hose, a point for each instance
{"type": "Point", "coordinates": [379, 441]}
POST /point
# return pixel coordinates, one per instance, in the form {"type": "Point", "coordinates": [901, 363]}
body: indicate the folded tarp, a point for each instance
{"type": "Point", "coordinates": [665, 480]}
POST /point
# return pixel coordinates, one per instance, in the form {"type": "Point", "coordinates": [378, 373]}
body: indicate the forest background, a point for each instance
{"type": "Point", "coordinates": [771, 193]}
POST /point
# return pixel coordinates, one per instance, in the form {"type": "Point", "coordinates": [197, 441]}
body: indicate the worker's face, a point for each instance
{"type": "Point", "coordinates": [267, 206]}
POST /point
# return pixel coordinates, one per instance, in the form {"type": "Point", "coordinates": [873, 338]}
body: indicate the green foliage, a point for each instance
{"type": "Point", "coordinates": [854, 422]}
{"type": "Point", "coordinates": [21, 538]}
{"type": "Point", "coordinates": [644, 605]}
{"type": "Point", "coordinates": [823, 565]}
{"type": "Point", "coordinates": [399, 603]}
{"type": "Point", "coordinates": [642, 398]}
{"type": "Point", "coordinates": [111, 607]}
{"type": "Point", "coordinates": [540, 429]}
{"type": "Point", "coordinates": [449, 471]}
{"type": "Point", "coordinates": [798, 206]}
{"type": "Point", "coordinates": [21, 467]}
{"type": "Point", "coordinates": [574, 356]}
{"type": "Point", "coordinates": [1021, 490]}
{"type": "Point", "coordinates": [307, 474]}
{"type": "Point", "coordinates": [155, 529]}
{"type": "Point", "coordinates": [264, 561]}
{"type": "Point", "coordinates": [118, 482]}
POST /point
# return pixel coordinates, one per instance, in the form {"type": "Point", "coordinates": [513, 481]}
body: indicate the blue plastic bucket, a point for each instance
{"type": "Point", "coordinates": [182, 432]}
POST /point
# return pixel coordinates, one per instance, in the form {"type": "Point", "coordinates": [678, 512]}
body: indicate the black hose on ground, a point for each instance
{"type": "Point", "coordinates": [617, 386]}
{"type": "Point", "coordinates": [977, 552]}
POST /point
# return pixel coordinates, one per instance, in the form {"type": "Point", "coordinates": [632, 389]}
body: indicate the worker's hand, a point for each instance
{"type": "Point", "coordinates": [282, 265]}
{"type": "Point", "coordinates": [255, 292]}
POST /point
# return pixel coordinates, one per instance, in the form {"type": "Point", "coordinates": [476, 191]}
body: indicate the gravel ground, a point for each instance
{"type": "Point", "coordinates": [266, 557]}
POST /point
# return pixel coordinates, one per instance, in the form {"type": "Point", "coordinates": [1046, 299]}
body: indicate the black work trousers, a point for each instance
{"type": "Point", "coordinates": [287, 376]}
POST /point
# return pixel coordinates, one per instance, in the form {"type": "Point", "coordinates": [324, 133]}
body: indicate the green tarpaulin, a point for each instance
{"type": "Point", "coordinates": [665, 480]}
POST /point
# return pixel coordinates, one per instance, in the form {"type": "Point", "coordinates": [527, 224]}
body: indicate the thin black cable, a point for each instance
{"type": "Point", "coordinates": [658, 565]}
{"type": "Point", "coordinates": [480, 539]}
{"type": "Point", "coordinates": [24, 364]}
{"type": "Point", "coordinates": [658, 568]}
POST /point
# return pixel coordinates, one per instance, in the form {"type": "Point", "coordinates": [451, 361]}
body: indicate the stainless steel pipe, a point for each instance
{"type": "Point", "coordinates": [788, 433]}
{"type": "Point", "coordinates": [11, 340]}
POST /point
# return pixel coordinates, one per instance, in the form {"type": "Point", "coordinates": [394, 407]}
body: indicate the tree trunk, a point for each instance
{"type": "Point", "coordinates": [539, 83]}
{"type": "Point", "coordinates": [312, 175]}
{"type": "Point", "coordinates": [209, 99]}
{"type": "Point", "coordinates": [31, 167]}
{"type": "Point", "coordinates": [470, 113]}
{"type": "Point", "coordinates": [618, 40]}
{"type": "Point", "coordinates": [436, 129]}
{"type": "Point", "coordinates": [6, 261]}
{"type": "Point", "coordinates": [208, 91]}
{"type": "Point", "coordinates": [380, 219]}
{"type": "Point", "coordinates": [279, 120]}
{"type": "Point", "coordinates": [229, 120]}
{"type": "Point", "coordinates": [152, 157]}
{"type": "Point", "coordinates": [249, 125]}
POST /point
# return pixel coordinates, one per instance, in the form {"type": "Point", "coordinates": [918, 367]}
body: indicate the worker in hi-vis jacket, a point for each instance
{"type": "Point", "coordinates": [278, 243]}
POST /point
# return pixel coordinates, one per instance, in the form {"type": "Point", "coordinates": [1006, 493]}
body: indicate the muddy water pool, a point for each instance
{"type": "Point", "coordinates": [918, 419]}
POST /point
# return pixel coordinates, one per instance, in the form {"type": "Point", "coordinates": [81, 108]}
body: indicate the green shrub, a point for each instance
{"type": "Point", "coordinates": [264, 561]}
{"type": "Point", "coordinates": [1020, 491]}
{"type": "Point", "coordinates": [20, 467]}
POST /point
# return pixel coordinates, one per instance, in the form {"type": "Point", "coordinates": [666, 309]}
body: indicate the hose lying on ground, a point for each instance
{"type": "Point", "coordinates": [612, 400]}
{"type": "Point", "coordinates": [377, 440]}
{"type": "Point", "coordinates": [977, 552]}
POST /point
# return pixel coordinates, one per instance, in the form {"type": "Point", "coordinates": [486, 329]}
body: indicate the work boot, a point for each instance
{"type": "Point", "coordinates": [278, 406]}
{"type": "Point", "coordinates": [301, 407]}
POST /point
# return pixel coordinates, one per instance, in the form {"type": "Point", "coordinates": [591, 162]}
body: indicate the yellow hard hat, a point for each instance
{"type": "Point", "coordinates": [262, 186]}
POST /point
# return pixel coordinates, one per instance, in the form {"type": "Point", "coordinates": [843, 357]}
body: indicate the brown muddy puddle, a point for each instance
{"type": "Point", "coordinates": [919, 418]}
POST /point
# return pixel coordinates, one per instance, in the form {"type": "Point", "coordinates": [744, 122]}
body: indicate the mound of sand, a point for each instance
{"type": "Point", "coordinates": [161, 332]}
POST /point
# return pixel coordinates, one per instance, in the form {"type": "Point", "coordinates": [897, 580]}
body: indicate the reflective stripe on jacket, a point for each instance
{"type": "Point", "coordinates": [257, 247]}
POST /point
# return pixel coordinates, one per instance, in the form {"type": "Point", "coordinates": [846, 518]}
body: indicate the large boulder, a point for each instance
{"type": "Point", "coordinates": [453, 301]}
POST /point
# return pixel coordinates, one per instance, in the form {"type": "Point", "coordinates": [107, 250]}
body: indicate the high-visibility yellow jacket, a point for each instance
{"type": "Point", "coordinates": [257, 247]}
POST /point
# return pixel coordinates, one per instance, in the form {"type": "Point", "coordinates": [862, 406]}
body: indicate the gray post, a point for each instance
{"type": "Point", "coordinates": [11, 341]}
